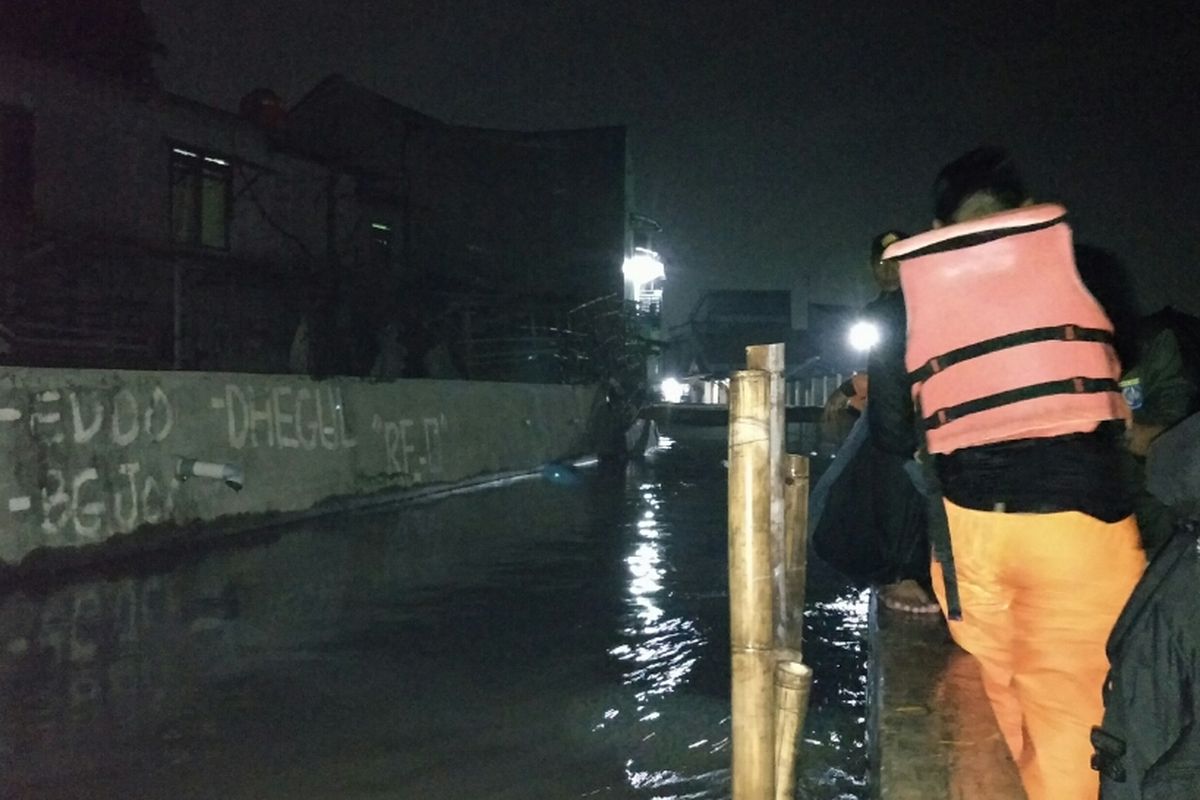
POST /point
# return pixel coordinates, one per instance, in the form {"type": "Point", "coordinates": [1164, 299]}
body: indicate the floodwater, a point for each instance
{"type": "Point", "coordinates": [540, 640]}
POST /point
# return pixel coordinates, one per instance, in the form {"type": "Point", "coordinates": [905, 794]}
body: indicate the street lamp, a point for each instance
{"type": "Point", "coordinates": [643, 267]}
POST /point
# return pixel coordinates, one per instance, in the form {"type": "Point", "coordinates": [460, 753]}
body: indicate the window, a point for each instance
{"type": "Point", "coordinates": [200, 199]}
{"type": "Point", "coordinates": [16, 166]}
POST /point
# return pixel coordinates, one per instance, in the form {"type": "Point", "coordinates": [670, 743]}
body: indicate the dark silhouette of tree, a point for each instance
{"type": "Point", "coordinates": [110, 36]}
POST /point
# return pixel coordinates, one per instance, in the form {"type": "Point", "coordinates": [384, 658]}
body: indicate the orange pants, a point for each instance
{"type": "Point", "coordinates": [1040, 594]}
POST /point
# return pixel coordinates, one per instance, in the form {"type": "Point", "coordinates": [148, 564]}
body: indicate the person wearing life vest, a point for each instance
{"type": "Point", "coordinates": [1009, 376]}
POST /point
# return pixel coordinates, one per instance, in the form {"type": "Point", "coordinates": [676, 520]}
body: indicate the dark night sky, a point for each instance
{"type": "Point", "coordinates": [773, 140]}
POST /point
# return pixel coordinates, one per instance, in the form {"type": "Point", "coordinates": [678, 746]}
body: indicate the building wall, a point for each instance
{"type": "Point", "coordinates": [500, 211]}
{"type": "Point", "coordinates": [99, 280]}
{"type": "Point", "coordinates": [102, 160]}
{"type": "Point", "coordinates": [540, 214]}
{"type": "Point", "coordinates": [513, 222]}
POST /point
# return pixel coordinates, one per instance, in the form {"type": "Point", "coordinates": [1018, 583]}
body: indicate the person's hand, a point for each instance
{"type": "Point", "coordinates": [1139, 436]}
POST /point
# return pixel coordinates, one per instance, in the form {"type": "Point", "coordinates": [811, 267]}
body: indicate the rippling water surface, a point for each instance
{"type": "Point", "coordinates": [540, 640]}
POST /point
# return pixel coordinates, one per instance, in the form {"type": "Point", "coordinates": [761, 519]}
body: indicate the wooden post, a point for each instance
{"type": "Point", "coordinates": [750, 587]}
{"type": "Point", "coordinates": [795, 549]}
{"type": "Point", "coordinates": [770, 359]}
{"type": "Point", "coordinates": [793, 682]}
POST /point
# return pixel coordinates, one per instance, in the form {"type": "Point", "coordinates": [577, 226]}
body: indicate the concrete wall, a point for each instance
{"type": "Point", "coordinates": [86, 456]}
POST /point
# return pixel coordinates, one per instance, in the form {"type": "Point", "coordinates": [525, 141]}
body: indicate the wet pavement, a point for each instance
{"type": "Point", "coordinates": [559, 637]}
{"type": "Point", "coordinates": [937, 735]}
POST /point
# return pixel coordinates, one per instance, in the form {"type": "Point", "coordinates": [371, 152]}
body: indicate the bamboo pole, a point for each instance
{"type": "Point", "coordinates": [793, 682]}
{"type": "Point", "coordinates": [795, 549]}
{"type": "Point", "coordinates": [750, 587]}
{"type": "Point", "coordinates": [770, 359]}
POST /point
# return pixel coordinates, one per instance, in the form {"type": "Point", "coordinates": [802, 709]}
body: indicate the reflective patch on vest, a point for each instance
{"type": "Point", "coordinates": [1135, 396]}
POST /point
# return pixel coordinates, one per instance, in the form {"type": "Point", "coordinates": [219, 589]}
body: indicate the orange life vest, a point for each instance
{"type": "Point", "coordinates": [1004, 340]}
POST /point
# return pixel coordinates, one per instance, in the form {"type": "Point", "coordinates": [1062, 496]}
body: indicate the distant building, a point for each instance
{"type": "Point", "coordinates": [142, 229]}
{"type": "Point", "coordinates": [724, 323]}
{"type": "Point", "coordinates": [499, 234]}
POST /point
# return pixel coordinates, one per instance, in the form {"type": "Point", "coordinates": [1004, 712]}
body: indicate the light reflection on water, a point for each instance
{"type": "Point", "coordinates": [673, 650]}
{"type": "Point", "coordinates": [665, 649]}
{"type": "Point", "coordinates": [659, 651]}
{"type": "Point", "coordinates": [577, 649]}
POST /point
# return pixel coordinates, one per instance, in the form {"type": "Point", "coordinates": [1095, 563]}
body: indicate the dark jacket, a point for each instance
{"type": "Point", "coordinates": [1173, 467]}
{"type": "Point", "coordinates": [1148, 746]}
{"type": "Point", "coordinates": [866, 519]}
{"type": "Point", "coordinates": [890, 408]}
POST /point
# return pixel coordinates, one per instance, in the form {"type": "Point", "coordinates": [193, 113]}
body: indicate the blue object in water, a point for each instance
{"type": "Point", "coordinates": [561, 474]}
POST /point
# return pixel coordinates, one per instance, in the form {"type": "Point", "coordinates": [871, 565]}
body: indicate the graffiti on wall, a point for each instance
{"type": "Point", "coordinates": [116, 494]}
{"type": "Point", "coordinates": [314, 418]}
{"type": "Point", "coordinates": [103, 461]}
{"type": "Point", "coordinates": [285, 417]}
{"type": "Point", "coordinates": [412, 447]}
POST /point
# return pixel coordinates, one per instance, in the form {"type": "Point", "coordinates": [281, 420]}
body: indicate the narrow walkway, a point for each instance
{"type": "Point", "coordinates": [936, 736]}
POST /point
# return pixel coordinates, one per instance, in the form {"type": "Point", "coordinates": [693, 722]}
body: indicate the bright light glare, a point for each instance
{"type": "Point", "coordinates": [864, 335]}
{"type": "Point", "coordinates": [643, 267]}
{"type": "Point", "coordinates": [673, 390]}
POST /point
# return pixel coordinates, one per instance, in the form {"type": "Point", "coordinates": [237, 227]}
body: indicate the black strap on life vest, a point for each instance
{"type": "Point", "coordinates": [939, 537]}
{"type": "Point", "coordinates": [1052, 333]}
{"type": "Point", "coordinates": [944, 416]}
{"type": "Point", "coordinates": [980, 237]}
